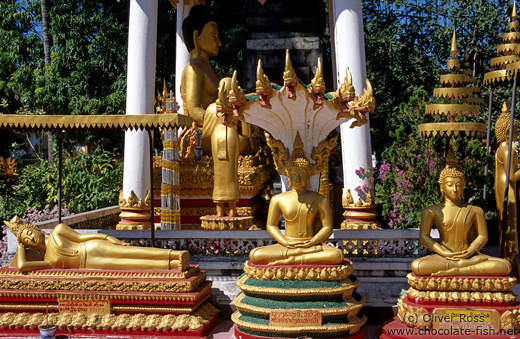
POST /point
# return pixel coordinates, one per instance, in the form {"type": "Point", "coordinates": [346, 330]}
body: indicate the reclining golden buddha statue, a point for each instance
{"type": "Point", "coordinates": [462, 230]}
{"type": "Point", "coordinates": [301, 208]}
{"type": "Point", "coordinates": [66, 248]}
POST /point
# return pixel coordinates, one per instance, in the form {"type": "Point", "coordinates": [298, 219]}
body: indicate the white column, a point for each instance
{"type": "Point", "coordinates": [182, 55]}
{"type": "Point", "coordinates": [142, 44]}
{"type": "Point", "coordinates": [349, 51]}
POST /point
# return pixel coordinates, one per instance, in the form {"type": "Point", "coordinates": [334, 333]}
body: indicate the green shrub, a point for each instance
{"type": "Point", "coordinates": [90, 181]}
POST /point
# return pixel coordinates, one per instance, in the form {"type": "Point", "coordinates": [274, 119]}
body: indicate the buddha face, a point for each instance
{"type": "Point", "coordinates": [32, 238]}
{"type": "Point", "coordinates": [452, 188]}
{"type": "Point", "coordinates": [298, 178]}
{"type": "Point", "coordinates": [208, 40]}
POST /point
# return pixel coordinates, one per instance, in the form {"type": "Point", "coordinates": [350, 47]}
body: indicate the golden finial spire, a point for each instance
{"type": "Point", "coordinates": [453, 49]}
{"type": "Point", "coordinates": [513, 12]}
{"type": "Point", "coordinates": [289, 76]}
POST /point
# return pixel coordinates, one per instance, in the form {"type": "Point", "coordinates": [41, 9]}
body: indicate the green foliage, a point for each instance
{"type": "Point", "coordinates": [20, 47]}
{"type": "Point", "coordinates": [87, 72]}
{"type": "Point", "coordinates": [90, 181]}
{"type": "Point", "coordinates": [408, 175]}
{"type": "Point", "coordinates": [407, 43]}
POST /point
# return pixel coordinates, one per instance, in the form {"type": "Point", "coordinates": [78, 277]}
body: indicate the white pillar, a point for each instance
{"type": "Point", "coordinates": [182, 55]}
{"type": "Point", "coordinates": [142, 44]}
{"type": "Point", "coordinates": [348, 48]}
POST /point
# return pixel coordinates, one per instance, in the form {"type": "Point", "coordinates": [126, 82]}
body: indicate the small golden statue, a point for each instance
{"type": "Point", "coordinates": [300, 244]}
{"type": "Point", "coordinates": [508, 236]}
{"type": "Point", "coordinates": [462, 230]}
{"type": "Point", "coordinates": [66, 248]}
{"type": "Point", "coordinates": [223, 125]}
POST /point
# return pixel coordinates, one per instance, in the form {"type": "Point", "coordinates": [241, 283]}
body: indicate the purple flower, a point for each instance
{"type": "Point", "coordinates": [393, 214]}
{"type": "Point", "coordinates": [431, 165]}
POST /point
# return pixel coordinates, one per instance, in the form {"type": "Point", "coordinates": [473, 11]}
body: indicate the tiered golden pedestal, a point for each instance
{"type": "Point", "coordinates": [104, 303]}
{"type": "Point", "coordinates": [292, 301]}
{"type": "Point", "coordinates": [454, 307]}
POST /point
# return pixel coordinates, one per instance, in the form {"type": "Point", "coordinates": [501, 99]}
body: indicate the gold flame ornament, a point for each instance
{"type": "Point", "coordinates": [317, 86]}
{"type": "Point", "coordinates": [290, 80]}
{"type": "Point", "coordinates": [263, 86]}
{"type": "Point", "coordinates": [229, 103]}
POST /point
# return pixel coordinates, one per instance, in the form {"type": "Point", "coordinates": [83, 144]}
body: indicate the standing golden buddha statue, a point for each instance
{"type": "Point", "coordinates": [199, 89]}
{"type": "Point", "coordinates": [462, 230]}
{"type": "Point", "coordinates": [509, 235]}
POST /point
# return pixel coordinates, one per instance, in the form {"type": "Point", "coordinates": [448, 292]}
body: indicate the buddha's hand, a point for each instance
{"type": "Point", "coordinates": [462, 255]}
{"type": "Point", "coordinates": [301, 244]}
{"type": "Point", "coordinates": [116, 241]}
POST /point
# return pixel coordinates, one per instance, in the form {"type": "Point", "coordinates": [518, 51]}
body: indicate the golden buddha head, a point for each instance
{"type": "Point", "coordinates": [200, 32]}
{"type": "Point", "coordinates": [452, 179]}
{"type": "Point", "coordinates": [298, 168]}
{"type": "Point", "coordinates": [27, 234]}
{"type": "Point", "coordinates": [298, 172]}
{"type": "Point", "coordinates": [503, 124]}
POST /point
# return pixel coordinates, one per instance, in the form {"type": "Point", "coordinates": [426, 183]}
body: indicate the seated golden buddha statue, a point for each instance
{"type": "Point", "coordinates": [301, 208]}
{"type": "Point", "coordinates": [462, 233]}
{"type": "Point", "coordinates": [66, 248]}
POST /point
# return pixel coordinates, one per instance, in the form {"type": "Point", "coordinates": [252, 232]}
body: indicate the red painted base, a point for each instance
{"type": "Point", "coordinates": [500, 307]}
{"type": "Point", "coordinates": [394, 329]}
{"type": "Point", "coordinates": [241, 335]}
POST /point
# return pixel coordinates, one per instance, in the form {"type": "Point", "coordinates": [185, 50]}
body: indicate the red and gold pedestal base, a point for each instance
{"type": "Point", "coordinates": [133, 303]}
{"type": "Point", "coordinates": [241, 335]}
{"type": "Point", "coordinates": [451, 307]}
{"type": "Point", "coordinates": [291, 301]}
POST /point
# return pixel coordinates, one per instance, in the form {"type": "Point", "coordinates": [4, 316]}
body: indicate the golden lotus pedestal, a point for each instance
{"type": "Point", "coordinates": [107, 303]}
{"type": "Point", "coordinates": [454, 307]}
{"type": "Point", "coordinates": [293, 301]}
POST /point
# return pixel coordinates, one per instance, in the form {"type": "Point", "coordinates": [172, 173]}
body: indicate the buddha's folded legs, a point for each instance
{"type": "Point", "coordinates": [480, 264]}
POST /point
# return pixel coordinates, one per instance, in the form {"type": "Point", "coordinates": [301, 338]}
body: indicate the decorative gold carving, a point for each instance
{"type": "Point", "coordinates": [290, 81]}
{"type": "Point", "coordinates": [196, 177]}
{"type": "Point", "coordinates": [83, 122]}
{"type": "Point", "coordinates": [120, 286]}
{"type": "Point", "coordinates": [351, 225]}
{"type": "Point", "coordinates": [495, 76]}
{"type": "Point", "coordinates": [211, 222]}
{"type": "Point", "coordinates": [413, 316]}
{"type": "Point", "coordinates": [449, 129]}
{"type": "Point", "coordinates": [452, 109]}
{"type": "Point", "coordinates": [297, 273]}
{"type": "Point", "coordinates": [185, 296]}
{"type": "Point", "coordinates": [198, 211]}
{"type": "Point", "coordinates": [317, 86]}
{"type": "Point", "coordinates": [353, 325]}
{"type": "Point", "coordinates": [456, 296]}
{"type": "Point", "coordinates": [348, 286]}
{"type": "Point", "coordinates": [280, 153]}
{"type": "Point", "coordinates": [456, 92]}
{"type": "Point", "coordinates": [465, 284]}
{"type": "Point", "coordinates": [68, 321]}
{"type": "Point", "coordinates": [346, 91]}
{"type": "Point", "coordinates": [105, 274]}
{"type": "Point", "coordinates": [264, 88]}
{"type": "Point", "coordinates": [320, 154]}
{"type": "Point", "coordinates": [132, 202]}
{"type": "Point", "coordinates": [361, 105]}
